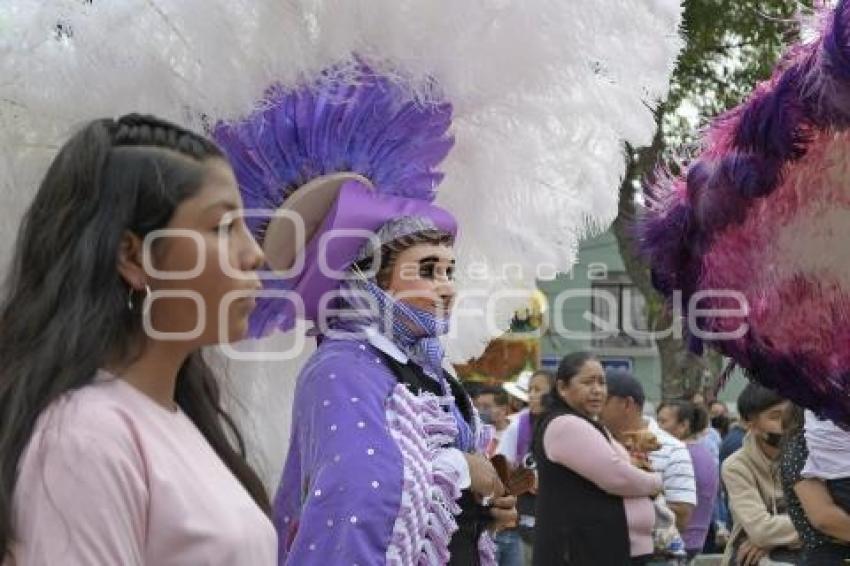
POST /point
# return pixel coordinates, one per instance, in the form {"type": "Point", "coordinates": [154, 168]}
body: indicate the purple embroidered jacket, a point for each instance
{"type": "Point", "coordinates": [363, 483]}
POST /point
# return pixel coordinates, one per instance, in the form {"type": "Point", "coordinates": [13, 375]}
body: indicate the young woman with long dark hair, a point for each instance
{"type": "Point", "coordinates": [114, 447]}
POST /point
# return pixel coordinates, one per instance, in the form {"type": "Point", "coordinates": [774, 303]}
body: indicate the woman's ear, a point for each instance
{"type": "Point", "coordinates": [129, 261]}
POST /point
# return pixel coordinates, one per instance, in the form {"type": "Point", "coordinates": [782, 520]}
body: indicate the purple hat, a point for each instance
{"type": "Point", "coordinates": [350, 156]}
{"type": "Point", "coordinates": [336, 244]}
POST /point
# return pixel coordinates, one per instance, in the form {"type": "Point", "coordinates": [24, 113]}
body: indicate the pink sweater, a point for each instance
{"type": "Point", "coordinates": [576, 444]}
{"type": "Point", "coordinates": [111, 478]}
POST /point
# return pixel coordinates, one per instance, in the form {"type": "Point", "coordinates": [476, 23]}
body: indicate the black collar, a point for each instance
{"type": "Point", "coordinates": [415, 379]}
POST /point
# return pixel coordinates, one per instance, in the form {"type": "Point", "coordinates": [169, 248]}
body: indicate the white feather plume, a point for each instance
{"type": "Point", "coordinates": [545, 93]}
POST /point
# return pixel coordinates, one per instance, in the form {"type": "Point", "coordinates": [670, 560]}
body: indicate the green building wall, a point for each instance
{"type": "Point", "coordinates": [599, 259]}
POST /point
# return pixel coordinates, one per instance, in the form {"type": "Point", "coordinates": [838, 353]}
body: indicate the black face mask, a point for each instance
{"type": "Point", "coordinates": [772, 439]}
{"type": "Point", "coordinates": [719, 422]}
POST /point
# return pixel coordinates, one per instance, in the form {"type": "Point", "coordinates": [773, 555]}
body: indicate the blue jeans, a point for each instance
{"type": "Point", "coordinates": [509, 548]}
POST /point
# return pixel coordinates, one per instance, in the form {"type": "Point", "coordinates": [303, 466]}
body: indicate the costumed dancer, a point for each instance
{"type": "Point", "coordinates": [385, 462]}
{"type": "Point", "coordinates": [751, 236]}
{"type": "Point", "coordinates": [538, 127]}
{"type": "Point", "coordinates": [375, 471]}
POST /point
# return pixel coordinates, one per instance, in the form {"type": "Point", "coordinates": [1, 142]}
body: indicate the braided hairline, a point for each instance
{"type": "Point", "coordinates": [134, 130]}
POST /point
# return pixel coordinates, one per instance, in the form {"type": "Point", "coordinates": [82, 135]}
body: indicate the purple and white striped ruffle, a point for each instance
{"type": "Point", "coordinates": [426, 520]}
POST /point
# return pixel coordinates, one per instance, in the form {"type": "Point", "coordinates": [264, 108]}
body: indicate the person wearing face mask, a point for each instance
{"type": "Point", "coordinates": [593, 505]}
{"type": "Point", "coordinates": [753, 484]}
{"type": "Point", "coordinates": [386, 462]}
{"type": "Point", "coordinates": [374, 409]}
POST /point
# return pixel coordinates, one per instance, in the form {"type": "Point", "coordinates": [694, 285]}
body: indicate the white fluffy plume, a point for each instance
{"type": "Point", "coordinates": [545, 93]}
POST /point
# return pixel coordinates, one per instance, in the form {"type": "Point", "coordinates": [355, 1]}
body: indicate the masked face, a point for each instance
{"type": "Point", "coordinates": [720, 423]}
{"type": "Point", "coordinates": [772, 439]}
{"type": "Point", "coordinates": [767, 428]}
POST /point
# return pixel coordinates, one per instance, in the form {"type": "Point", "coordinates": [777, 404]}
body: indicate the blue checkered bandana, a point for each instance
{"type": "Point", "coordinates": [414, 331]}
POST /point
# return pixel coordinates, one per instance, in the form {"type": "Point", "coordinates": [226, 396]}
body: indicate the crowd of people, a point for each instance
{"type": "Point", "coordinates": [620, 482]}
{"type": "Point", "coordinates": [389, 460]}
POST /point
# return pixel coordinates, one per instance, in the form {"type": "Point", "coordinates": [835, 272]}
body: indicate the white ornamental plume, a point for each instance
{"type": "Point", "coordinates": [545, 93]}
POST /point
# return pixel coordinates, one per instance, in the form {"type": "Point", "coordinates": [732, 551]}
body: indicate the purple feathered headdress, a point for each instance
{"type": "Point", "coordinates": [349, 120]}
{"type": "Point", "coordinates": [755, 234]}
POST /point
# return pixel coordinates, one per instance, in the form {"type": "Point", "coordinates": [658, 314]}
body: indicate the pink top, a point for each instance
{"type": "Point", "coordinates": [575, 444]}
{"type": "Point", "coordinates": [110, 477]}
